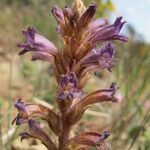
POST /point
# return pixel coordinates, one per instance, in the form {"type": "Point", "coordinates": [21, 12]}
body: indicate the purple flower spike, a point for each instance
{"type": "Point", "coordinates": [79, 56]}
{"type": "Point", "coordinates": [36, 43]}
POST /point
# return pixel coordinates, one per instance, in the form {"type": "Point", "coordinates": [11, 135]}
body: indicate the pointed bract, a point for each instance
{"type": "Point", "coordinates": [87, 16]}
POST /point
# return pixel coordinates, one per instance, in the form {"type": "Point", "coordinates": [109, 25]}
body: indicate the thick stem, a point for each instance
{"type": "Point", "coordinates": [63, 139]}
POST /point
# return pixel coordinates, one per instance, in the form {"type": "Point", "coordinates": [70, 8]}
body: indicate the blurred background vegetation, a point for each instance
{"type": "Point", "coordinates": [128, 121]}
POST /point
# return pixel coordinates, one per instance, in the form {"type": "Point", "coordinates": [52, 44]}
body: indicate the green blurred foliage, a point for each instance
{"type": "Point", "coordinates": [133, 76]}
{"type": "Point", "coordinates": [27, 70]}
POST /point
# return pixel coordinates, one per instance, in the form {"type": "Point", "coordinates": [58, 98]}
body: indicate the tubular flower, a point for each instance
{"type": "Point", "coordinates": [35, 131]}
{"type": "Point", "coordinates": [41, 47]}
{"type": "Point", "coordinates": [80, 55]}
{"type": "Point", "coordinates": [108, 32]}
{"type": "Point", "coordinates": [98, 58]}
{"type": "Point", "coordinates": [58, 14]}
{"type": "Point", "coordinates": [76, 111]}
{"type": "Point", "coordinates": [90, 138]}
{"type": "Point", "coordinates": [29, 111]}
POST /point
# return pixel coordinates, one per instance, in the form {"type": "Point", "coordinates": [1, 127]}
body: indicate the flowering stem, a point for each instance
{"type": "Point", "coordinates": [73, 66]}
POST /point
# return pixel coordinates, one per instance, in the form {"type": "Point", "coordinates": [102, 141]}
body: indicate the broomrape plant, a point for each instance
{"type": "Point", "coordinates": [73, 65]}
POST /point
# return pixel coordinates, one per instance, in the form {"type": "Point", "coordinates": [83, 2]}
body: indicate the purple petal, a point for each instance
{"type": "Point", "coordinates": [43, 44]}
{"type": "Point", "coordinates": [30, 34]}
{"type": "Point", "coordinates": [65, 96]}
{"type": "Point", "coordinates": [106, 57]}
{"type": "Point", "coordinates": [118, 24]}
{"type": "Point", "coordinates": [25, 48]}
{"type": "Point", "coordinates": [108, 49]}
{"type": "Point", "coordinates": [69, 79]}
{"type": "Point", "coordinates": [113, 88]}
{"type": "Point", "coordinates": [100, 58]}
{"type": "Point", "coordinates": [68, 87]}
{"type": "Point", "coordinates": [106, 134]}
{"type": "Point", "coordinates": [64, 80]}
{"type": "Point", "coordinates": [58, 14]}
{"type": "Point", "coordinates": [20, 105]}
{"type": "Point", "coordinates": [120, 37]}
{"type": "Point", "coordinates": [98, 23]}
{"type": "Point", "coordinates": [117, 21]}
{"type": "Point", "coordinates": [73, 79]}
{"type": "Point", "coordinates": [68, 95]}
{"type": "Point", "coordinates": [42, 47]}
